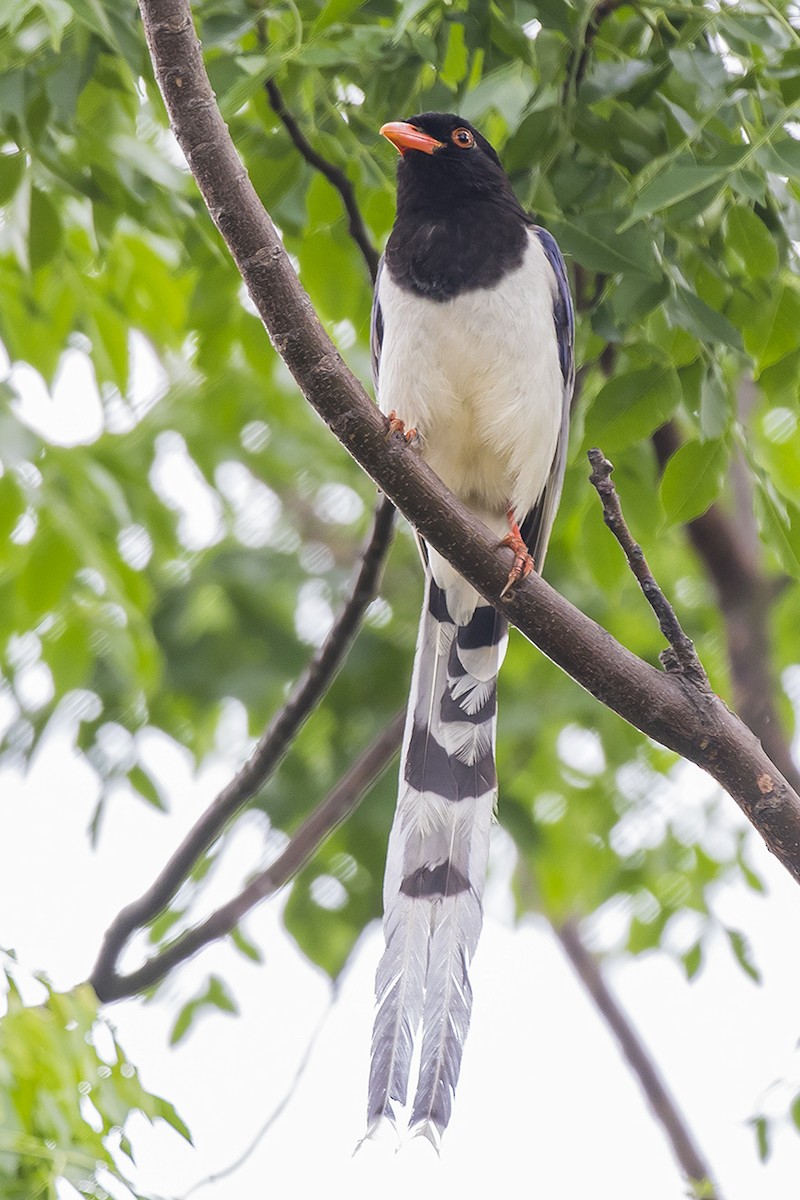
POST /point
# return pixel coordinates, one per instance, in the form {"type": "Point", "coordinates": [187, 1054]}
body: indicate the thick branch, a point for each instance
{"type": "Point", "coordinates": [635, 1052]}
{"type": "Point", "coordinates": [315, 830]}
{"type": "Point", "coordinates": [335, 176]}
{"type": "Point", "coordinates": [271, 748]}
{"type": "Point", "coordinates": [664, 706]}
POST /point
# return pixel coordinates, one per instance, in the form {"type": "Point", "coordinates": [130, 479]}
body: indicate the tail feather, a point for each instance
{"type": "Point", "coordinates": [436, 863]}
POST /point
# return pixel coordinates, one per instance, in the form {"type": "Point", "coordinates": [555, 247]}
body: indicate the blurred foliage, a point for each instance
{"type": "Point", "coordinates": [66, 1091]}
{"type": "Point", "coordinates": [177, 524]}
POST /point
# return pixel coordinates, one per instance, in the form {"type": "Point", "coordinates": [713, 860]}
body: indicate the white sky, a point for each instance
{"type": "Point", "coordinates": [545, 1106]}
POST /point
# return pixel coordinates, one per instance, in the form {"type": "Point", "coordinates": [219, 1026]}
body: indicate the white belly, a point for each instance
{"type": "Point", "coordinates": [479, 378]}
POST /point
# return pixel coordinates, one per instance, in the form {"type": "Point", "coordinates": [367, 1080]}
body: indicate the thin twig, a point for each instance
{"type": "Point", "coordinates": [334, 174]}
{"type": "Point", "coordinates": [580, 56]}
{"type": "Point", "coordinates": [661, 1102]}
{"type": "Point", "coordinates": [287, 1097]}
{"type": "Point", "coordinates": [728, 547]}
{"type": "Point", "coordinates": [315, 830]}
{"type": "Point", "coordinates": [683, 657]}
{"type": "Point", "coordinates": [274, 743]}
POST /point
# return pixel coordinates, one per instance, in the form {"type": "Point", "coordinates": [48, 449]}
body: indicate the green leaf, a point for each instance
{"type": "Point", "coordinates": [167, 1112]}
{"type": "Point", "coordinates": [558, 14]}
{"type": "Point", "coordinates": [761, 1130]}
{"type": "Point", "coordinates": [215, 995]}
{"type": "Point", "coordinates": [781, 156]}
{"type": "Point", "coordinates": [160, 927]}
{"type": "Point", "coordinates": [45, 230]}
{"type": "Point", "coordinates": [716, 404]}
{"type": "Point", "coordinates": [794, 1110]}
{"type": "Point", "coordinates": [743, 953]}
{"type": "Point", "coordinates": [693, 479]}
{"type": "Point", "coordinates": [597, 243]}
{"type": "Point", "coordinates": [12, 506]}
{"type": "Point", "coordinates": [142, 782]}
{"type": "Point", "coordinates": [704, 321]}
{"type": "Point", "coordinates": [335, 11]}
{"type": "Point", "coordinates": [12, 166]}
{"type": "Point", "coordinates": [674, 185]}
{"type": "Point", "coordinates": [51, 566]}
{"type": "Point", "coordinates": [692, 960]}
{"type": "Point", "coordinates": [245, 946]}
{"type": "Point", "coordinates": [456, 58]}
{"type": "Point", "coordinates": [750, 239]}
{"type": "Point", "coordinates": [779, 526]}
{"type": "Point", "coordinates": [637, 295]}
{"type": "Point", "coordinates": [629, 407]}
{"type": "Point", "coordinates": [773, 330]}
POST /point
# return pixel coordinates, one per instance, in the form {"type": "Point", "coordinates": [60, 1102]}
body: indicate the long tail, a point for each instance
{"type": "Point", "coordinates": [436, 863]}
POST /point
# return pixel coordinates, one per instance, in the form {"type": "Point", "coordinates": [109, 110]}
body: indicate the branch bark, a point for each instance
{"type": "Point", "coordinates": [682, 655]}
{"type": "Point", "coordinates": [665, 1110]}
{"type": "Point", "coordinates": [334, 175]}
{"type": "Point", "coordinates": [271, 748]}
{"type": "Point", "coordinates": [335, 809]}
{"type": "Point", "coordinates": [666, 706]}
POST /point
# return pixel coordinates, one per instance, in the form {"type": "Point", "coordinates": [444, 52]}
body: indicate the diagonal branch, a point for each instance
{"type": "Point", "coordinates": [271, 748]}
{"type": "Point", "coordinates": [666, 706]}
{"type": "Point", "coordinates": [316, 828]}
{"type": "Point", "coordinates": [665, 1110]}
{"type": "Point", "coordinates": [728, 547]}
{"type": "Point", "coordinates": [682, 655]}
{"type": "Point", "coordinates": [334, 174]}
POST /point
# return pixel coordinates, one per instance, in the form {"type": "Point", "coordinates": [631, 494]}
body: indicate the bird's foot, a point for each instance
{"type": "Point", "coordinates": [523, 560]}
{"type": "Point", "coordinates": [398, 426]}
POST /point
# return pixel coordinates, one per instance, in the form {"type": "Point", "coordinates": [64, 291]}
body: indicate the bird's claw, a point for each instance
{"type": "Point", "coordinates": [523, 562]}
{"type": "Point", "coordinates": [398, 426]}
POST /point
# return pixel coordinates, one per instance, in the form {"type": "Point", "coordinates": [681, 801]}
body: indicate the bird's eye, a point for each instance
{"type": "Point", "coordinates": [463, 138]}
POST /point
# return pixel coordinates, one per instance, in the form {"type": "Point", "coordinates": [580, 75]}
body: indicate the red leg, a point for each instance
{"type": "Point", "coordinates": [523, 561]}
{"type": "Point", "coordinates": [398, 426]}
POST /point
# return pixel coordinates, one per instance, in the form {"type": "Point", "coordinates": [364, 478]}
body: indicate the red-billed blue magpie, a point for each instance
{"type": "Point", "coordinates": [472, 341]}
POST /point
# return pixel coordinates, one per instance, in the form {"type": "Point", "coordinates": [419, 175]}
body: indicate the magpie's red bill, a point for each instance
{"type": "Point", "coordinates": [407, 137]}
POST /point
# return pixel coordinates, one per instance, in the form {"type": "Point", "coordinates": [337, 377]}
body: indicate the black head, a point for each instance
{"type": "Point", "coordinates": [444, 157]}
{"type": "Point", "coordinates": [459, 225]}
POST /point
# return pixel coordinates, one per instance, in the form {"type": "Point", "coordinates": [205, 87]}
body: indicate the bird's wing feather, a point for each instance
{"type": "Point", "coordinates": [538, 523]}
{"type": "Point", "coordinates": [376, 327]}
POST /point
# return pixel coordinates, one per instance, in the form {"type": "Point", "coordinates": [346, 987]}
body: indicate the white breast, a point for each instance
{"type": "Point", "coordinates": [479, 378]}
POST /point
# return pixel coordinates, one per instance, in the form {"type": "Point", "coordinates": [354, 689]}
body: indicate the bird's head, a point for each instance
{"type": "Point", "coordinates": [443, 154]}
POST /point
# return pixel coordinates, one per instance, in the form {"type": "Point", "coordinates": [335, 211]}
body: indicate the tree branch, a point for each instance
{"type": "Point", "coordinates": [334, 809]}
{"type": "Point", "coordinates": [729, 549]}
{"type": "Point", "coordinates": [271, 748]}
{"type": "Point", "coordinates": [664, 1108]}
{"type": "Point", "coordinates": [666, 706]}
{"type": "Point", "coordinates": [334, 174]}
{"type": "Point", "coordinates": [682, 656]}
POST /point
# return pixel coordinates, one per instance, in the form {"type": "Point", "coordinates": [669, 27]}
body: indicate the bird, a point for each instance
{"type": "Point", "coordinates": [472, 339]}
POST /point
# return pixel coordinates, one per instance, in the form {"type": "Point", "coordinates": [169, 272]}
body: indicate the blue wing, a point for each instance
{"type": "Point", "coordinates": [536, 527]}
{"type": "Point", "coordinates": [376, 328]}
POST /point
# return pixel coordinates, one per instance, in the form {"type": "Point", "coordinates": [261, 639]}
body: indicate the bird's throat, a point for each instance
{"type": "Point", "coordinates": [440, 255]}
